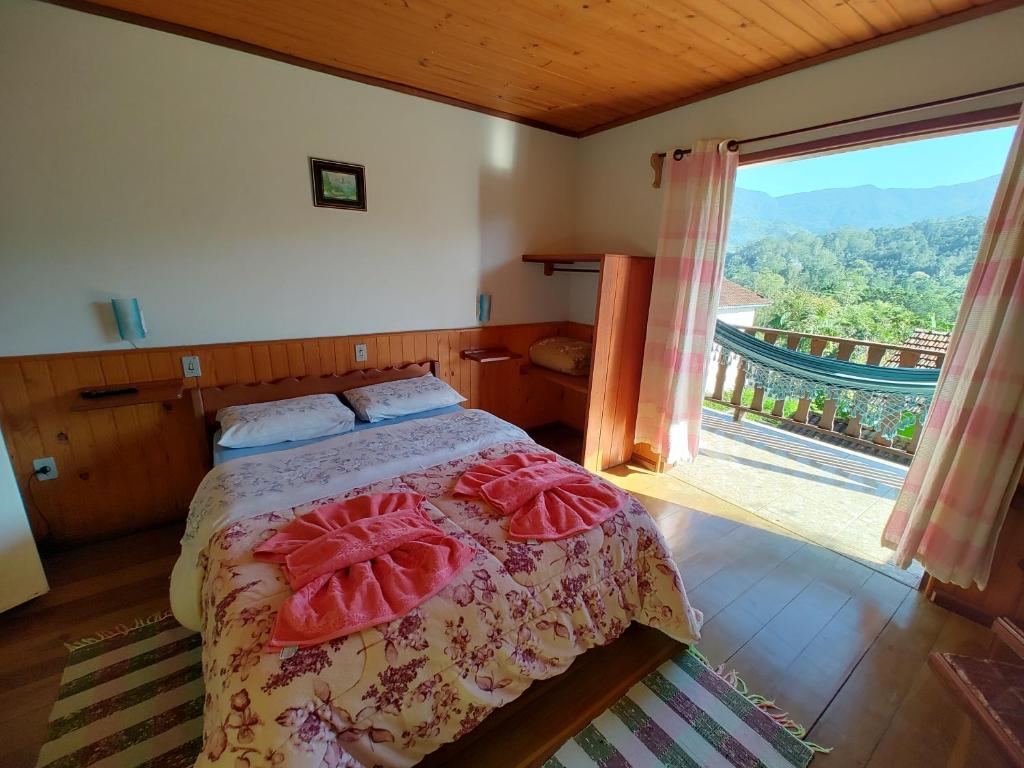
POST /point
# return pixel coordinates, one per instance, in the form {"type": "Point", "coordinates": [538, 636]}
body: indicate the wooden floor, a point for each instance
{"type": "Point", "coordinates": [841, 647]}
{"type": "Point", "coordinates": [92, 588]}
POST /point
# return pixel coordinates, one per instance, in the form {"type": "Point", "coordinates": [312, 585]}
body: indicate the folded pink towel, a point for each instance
{"type": "Point", "coordinates": [358, 563]}
{"type": "Point", "coordinates": [546, 499]}
{"type": "Point", "coordinates": [511, 492]}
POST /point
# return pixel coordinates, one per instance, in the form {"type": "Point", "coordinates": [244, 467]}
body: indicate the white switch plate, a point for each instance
{"type": "Point", "coordinates": [360, 353]}
{"type": "Point", "coordinates": [190, 367]}
{"type": "Point", "coordinates": [38, 464]}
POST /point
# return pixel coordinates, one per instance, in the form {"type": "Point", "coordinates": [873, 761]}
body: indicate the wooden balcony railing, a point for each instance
{"type": "Point", "coordinates": [858, 350]}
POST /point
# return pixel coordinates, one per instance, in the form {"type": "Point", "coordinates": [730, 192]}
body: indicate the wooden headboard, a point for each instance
{"type": "Point", "coordinates": [209, 400]}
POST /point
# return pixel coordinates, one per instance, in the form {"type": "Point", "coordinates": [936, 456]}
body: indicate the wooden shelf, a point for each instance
{"type": "Point", "coordinates": [575, 383]}
{"type": "Point", "coordinates": [489, 355]}
{"type": "Point", "coordinates": [550, 260]}
{"type": "Point", "coordinates": [561, 258]}
{"type": "Point", "coordinates": [161, 391]}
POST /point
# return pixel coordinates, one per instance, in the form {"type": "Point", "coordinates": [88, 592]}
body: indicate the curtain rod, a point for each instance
{"type": "Point", "coordinates": [678, 154]}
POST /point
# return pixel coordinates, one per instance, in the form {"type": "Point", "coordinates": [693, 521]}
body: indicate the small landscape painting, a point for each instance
{"type": "Point", "coordinates": [338, 185]}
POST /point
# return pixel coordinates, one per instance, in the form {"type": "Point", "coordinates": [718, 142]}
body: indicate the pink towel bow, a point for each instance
{"type": "Point", "coordinates": [358, 563]}
{"type": "Point", "coordinates": [547, 499]}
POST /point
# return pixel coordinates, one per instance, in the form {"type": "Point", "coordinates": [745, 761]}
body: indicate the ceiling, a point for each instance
{"type": "Point", "coordinates": [574, 66]}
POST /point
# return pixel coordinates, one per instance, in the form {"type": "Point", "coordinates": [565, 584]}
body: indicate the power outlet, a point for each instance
{"type": "Point", "coordinates": [190, 367]}
{"type": "Point", "coordinates": [45, 469]}
{"type": "Point", "coordinates": [360, 353]}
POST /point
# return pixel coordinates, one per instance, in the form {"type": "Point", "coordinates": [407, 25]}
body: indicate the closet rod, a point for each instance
{"type": "Point", "coordinates": [733, 145]}
{"type": "Point", "coordinates": [567, 269]}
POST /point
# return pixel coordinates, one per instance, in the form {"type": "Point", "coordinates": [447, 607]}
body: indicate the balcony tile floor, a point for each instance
{"type": "Point", "coordinates": [822, 493]}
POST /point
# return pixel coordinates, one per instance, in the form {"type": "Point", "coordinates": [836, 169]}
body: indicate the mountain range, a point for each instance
{"type": "Point", "coordinates": [758, 214]}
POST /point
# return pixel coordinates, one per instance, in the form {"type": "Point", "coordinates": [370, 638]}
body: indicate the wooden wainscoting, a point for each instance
{"type": "Point", "coordinates": [133, 467]}
{"type": "Point", "coordinates": [119, 469]}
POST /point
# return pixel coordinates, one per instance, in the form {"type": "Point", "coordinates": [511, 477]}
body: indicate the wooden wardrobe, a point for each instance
{"type": "Point", "coordinates": [620, 329]}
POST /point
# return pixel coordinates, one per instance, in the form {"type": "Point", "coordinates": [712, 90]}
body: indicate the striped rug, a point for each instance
{"type": "Point", "coordinates": [132, 696]}
{"type": "Point", "coordinates": [686, 715]}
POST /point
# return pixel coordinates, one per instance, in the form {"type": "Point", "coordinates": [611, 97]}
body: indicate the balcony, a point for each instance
{"type": "Point", "coordinates": [802, 468]}
{"type": "Point", "coordinates": [727, 389]}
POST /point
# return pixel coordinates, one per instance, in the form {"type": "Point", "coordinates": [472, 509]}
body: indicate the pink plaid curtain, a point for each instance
{"type": "Point", "coordinates": [697, 198]}
{"type": "Point", "coordinates": [968, 466]}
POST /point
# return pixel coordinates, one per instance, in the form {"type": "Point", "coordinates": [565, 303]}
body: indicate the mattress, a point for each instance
{"type": "Point", "coordinates": [222, 454]}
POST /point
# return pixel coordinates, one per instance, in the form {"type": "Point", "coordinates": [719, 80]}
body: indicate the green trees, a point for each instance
{"type": "Point", "coordinates": [878, 284]}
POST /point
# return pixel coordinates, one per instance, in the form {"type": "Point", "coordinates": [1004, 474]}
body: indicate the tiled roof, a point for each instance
{"type": "Point", "coordinates": [926, 341]}
{"type": "Point", "coordinates": [735, 295]}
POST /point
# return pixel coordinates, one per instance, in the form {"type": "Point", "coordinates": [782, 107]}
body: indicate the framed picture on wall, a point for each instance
{"type": "Point", "coordinates": [338, 185]}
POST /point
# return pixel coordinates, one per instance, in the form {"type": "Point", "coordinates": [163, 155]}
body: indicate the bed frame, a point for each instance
{"type": "Point", "coordinates": [209, 400]}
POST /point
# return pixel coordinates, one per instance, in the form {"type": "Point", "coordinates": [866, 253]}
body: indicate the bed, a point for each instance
{"type": "Point", "coordinates": [392, 694]}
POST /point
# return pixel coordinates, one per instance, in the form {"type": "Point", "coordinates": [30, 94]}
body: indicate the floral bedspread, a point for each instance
{"type": "Point", "coordinates": [389, 695]}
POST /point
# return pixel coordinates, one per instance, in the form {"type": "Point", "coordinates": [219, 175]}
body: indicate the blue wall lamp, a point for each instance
{"type": "Point", "coordinates": [130, 323]}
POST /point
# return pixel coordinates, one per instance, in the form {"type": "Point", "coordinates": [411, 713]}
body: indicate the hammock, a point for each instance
{"type": "Point", "coordinates": [886, 399]}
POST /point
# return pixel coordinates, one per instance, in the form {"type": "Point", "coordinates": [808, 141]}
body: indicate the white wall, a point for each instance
{"type": "Point", "coordinates": [582, 294]}
{"type": "Point", "coordinates": [742, 316]}
{"type": "Point", "coordinates": [618, 210]}
{"type": "Point", "coordinates": [138, 163]}
{"type": "Point", "coordinates": [134, 162]}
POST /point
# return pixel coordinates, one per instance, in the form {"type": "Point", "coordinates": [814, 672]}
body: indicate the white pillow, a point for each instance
{"type": "Point", "coordinates": [400, 398]}
{"type": "Point", "coordinates": [281, 421]}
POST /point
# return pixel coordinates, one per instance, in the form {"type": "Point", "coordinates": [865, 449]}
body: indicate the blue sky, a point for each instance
{"type": "Point", "coordinates": [923, 163]}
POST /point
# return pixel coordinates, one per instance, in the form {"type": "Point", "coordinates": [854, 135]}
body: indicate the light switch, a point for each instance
{"type": "Point", "coordinates": [360, 353]}
{"type": "Point", "coordinates": [190, 367]}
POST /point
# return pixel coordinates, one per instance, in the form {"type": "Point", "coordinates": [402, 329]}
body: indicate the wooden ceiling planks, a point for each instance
{"type": "Point", "coordinates": [573, 67]}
